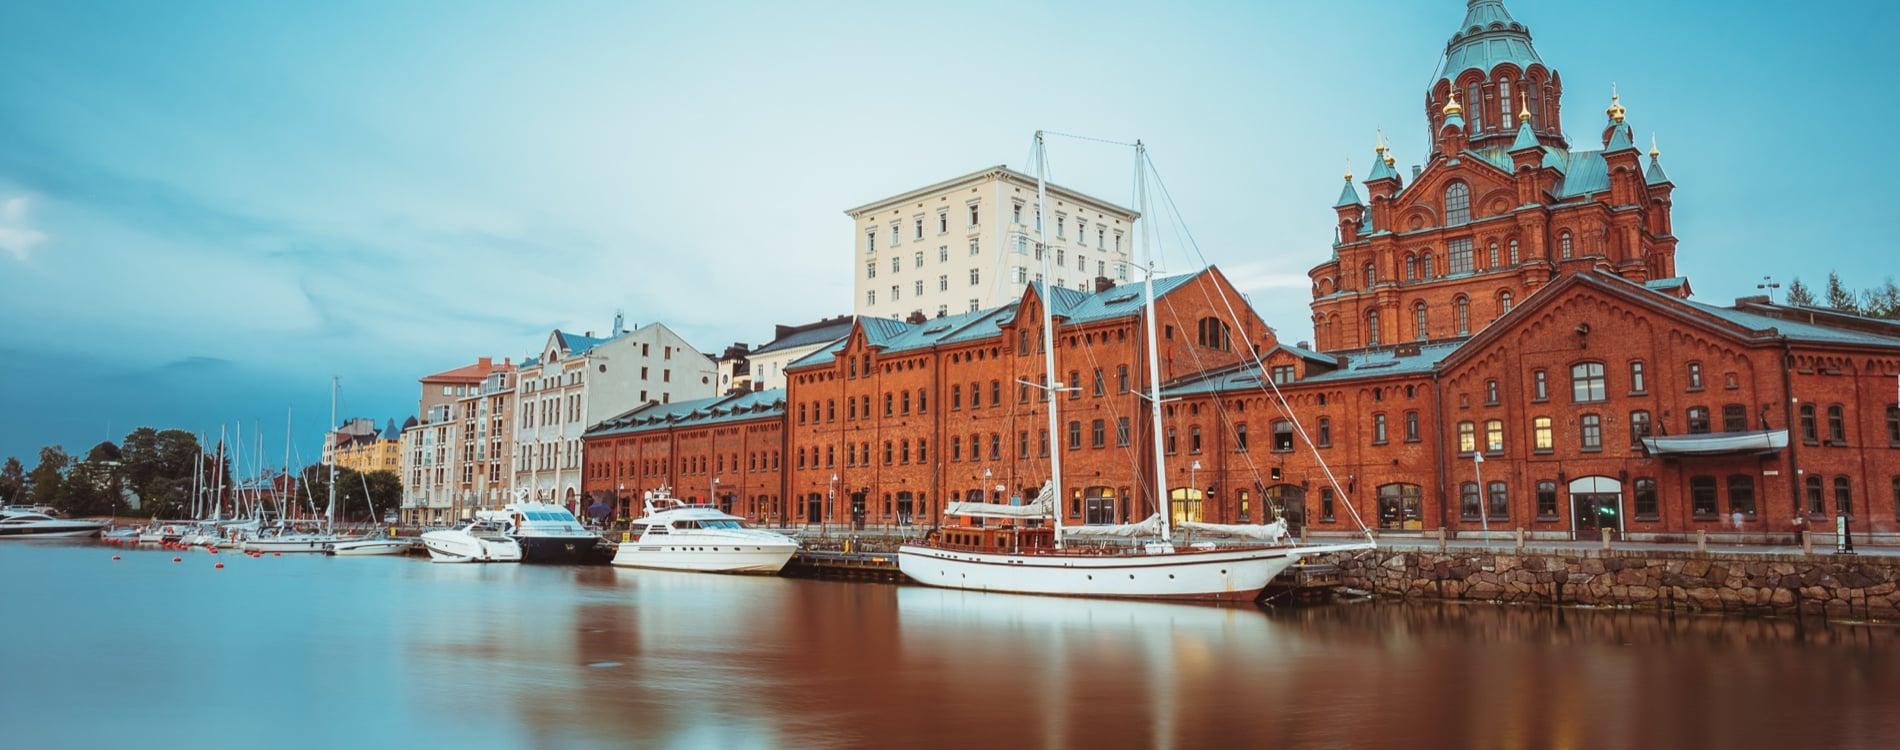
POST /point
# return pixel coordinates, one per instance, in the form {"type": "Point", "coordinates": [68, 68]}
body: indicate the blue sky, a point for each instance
{"type": "Point", "coordinates": [208, 209]}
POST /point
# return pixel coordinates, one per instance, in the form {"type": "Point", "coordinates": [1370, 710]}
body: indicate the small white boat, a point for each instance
{"type": "Point", "coordinates": [35, 525]}
{"type": "Point", "coordinates": [159, 532]}
{"type": "Point", "coordinates": [547, 533]}
{"type": "Point", "coordinates": [676, 535]}
{"type": "Point", "coordinates": [476, 542]}
{"type": "Point", "coordinates": [293, 543]}
{"type": "Point", "coordinates": [373, 546]}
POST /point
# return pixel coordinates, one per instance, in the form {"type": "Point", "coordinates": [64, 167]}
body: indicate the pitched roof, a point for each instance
{"type": "Point", "coordinates": [824, 331]}
{"type": "Point", "coordinates": [467, 373]}
{"type": "Point", "coordinates": [1796, 330]}
{"type": "Point", "coordinates": [695, 413]}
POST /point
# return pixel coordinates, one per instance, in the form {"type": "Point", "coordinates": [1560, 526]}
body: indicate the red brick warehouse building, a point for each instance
{"type": "Point", "coordinates": [1515, 299]}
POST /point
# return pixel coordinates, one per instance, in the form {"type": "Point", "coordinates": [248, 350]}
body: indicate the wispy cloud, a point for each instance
{"type": "Point", "coordinates": [17, 238]}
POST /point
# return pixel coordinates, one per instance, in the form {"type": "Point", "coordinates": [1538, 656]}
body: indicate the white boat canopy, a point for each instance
{"type": "Point", "coordinates": [1149, 527]}
{"type": "Point", "coordinates": [1044, 506]}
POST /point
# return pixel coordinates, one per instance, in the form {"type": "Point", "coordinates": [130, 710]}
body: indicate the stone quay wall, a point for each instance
{"type": "Point", "coordinates": [1838, 586]}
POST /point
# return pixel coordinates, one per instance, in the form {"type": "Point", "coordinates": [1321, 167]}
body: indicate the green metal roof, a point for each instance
{"type": "Point", "coordinates": [1347, 196]}
{"type": "Point", "coordinates": [1620, 139]}
{"type": "Point", "coordinates": [695, 413]}
{"type": "Point", "coordinates": [1525, 137]}
{"type": "Point", "coordinates": [1488, 37]}
{"type": "Point", "coordinates": [1655, 174]}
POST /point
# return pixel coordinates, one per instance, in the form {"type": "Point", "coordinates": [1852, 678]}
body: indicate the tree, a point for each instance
{"type": "Point", "coordinates": [104, 451]}
{"type": "Point", "coordinates": [385, 489]}
{"type": "Point", "coordinates": [12, 482]}
{"type": "Point", "coordinates": [48, 480]}
{"type": "Point", "coordinates": [1838, 296]}
{"type": "Point", "coordinates": [1882, 301]}
{"type": "Point", "coordinates": [1799, 293]}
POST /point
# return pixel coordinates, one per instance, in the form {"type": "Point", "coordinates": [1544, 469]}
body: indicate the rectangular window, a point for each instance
{"type": "Point", "coordinates": [1702, 497]}
{"type": "Point", "coordinates": [1467, 437]}
{"type": "Point", "coordinates": [1378, 429]}
{"type": "Point", "coordinates": [1645, 497]}
{"type": "Point", "coordinates": [1098, 433]}
{"type": "Point", "coordinates": [1121, 431]}
{"type": "Point", "coordinates": [1540, 386]}
{"type": "Point", "coordinates": [897, 264]}
{"type": "Point", "coordinates": [1468, 506]}
{"type": "Point", "coordinates": [1411, 427]}
{"type": "Point", "coordinates": [1639, 428]}
{"type": "Point", "coordinates": [1282, 374]}
{"type": "Point", "coordinates": [1734, 418]}
{"type": "Point", "coordinates": [1121, 386]}
{"type": "Point", "coordinates": [1893, 425]}
{"type": "Point", "coordinates": [1587, 384]}
{"type": "Point", "coordinates": [1325, 437]}
{"type": "Point", "coordinates": [1460, 251]}
{"type": "Point", "coordinates": [1546, 500]}
{"type": "Point", "coordinates": [1590, 432]}
{"type": "Point", "coordinates": [1541, 438]}
{"type": "Point", "coordinates": [1639, 382]}
{"type": "Point", "coordinates": [1698, 420]}
{"type": "Point", "coordinates": [870, 270]}
{"type": "Point", "coordinates": [1494, 436]}
{"type": "Point", "coordinates": [1075, 435]}
{"type": "Point", "coordinates": [1194, 439]}
{"type": "Point", "coordinates": [1326, 504]}
{"type": "Point", "coordinates": [1499, 493]}
{"type": "Point", "coordinates": [1741, 494]}
{"type": "Point", "coordinates": [976, 279]}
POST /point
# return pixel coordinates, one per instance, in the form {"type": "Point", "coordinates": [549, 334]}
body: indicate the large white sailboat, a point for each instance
{"type": "Point", "coordinates": [1032, 553]}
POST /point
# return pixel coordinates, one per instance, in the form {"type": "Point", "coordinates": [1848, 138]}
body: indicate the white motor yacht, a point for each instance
{"type": "Point", "coordinates": [476, 542]}
{"type": "Point", "coordinates": [373, 545]}
{"type": "Point", "coordinates": [36, 525]}
{"type": "Point", "coordinates": [676, 535]}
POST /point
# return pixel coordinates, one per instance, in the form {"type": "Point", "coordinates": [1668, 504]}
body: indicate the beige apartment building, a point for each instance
{"type": "Point", "coordinates": [968, 243]}
{"type": "Point", "coordinates": [455, 453]}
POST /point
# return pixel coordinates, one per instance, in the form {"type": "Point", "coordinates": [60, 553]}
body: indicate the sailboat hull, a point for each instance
{"type": "Point", "coordinates": [1237, 575]}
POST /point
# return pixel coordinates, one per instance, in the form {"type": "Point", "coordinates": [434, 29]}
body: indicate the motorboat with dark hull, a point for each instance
{"type": "Point", "coordinates": [549, 534]}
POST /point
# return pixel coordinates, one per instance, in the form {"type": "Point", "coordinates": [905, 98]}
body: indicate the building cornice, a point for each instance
{"type": "Point", "coordinates": [997, 172]}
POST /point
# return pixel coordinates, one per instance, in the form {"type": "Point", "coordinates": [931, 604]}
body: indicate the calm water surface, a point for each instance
{"type": "Point", "coordinates": [379, 652]}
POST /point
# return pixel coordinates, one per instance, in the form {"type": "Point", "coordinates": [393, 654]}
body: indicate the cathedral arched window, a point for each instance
{"type": "Point", "coordinates": [1504, 100]}
{"type": "Point", "coordinates": [1461, 311]}
{"type": "Point", "coordinates": [1536, 100]}
{"type": "Point", "coordinates": [1372, 328]}
{"type": "Point", "coordinates": [1420, 322]}
{"type": "Point", "coordinates": [1425, 267]}
{"type": "Point", "coordinates": [1474, 107]}
{"type": "Point", "coordinates": [1492, 256]}
{"type": "Point", "coordinates": [1513, 248]}
{"type": "Point", "coordinates": [1372, 275]}
{"type": "Point", "coordinates": [1504, 303]}
{"type": "Point", "coordinates": [1563, 245]}
{"type": "Point", "coordinates": [1411, 267]}
{"type": "Point", "coordinates": [1457, 204]}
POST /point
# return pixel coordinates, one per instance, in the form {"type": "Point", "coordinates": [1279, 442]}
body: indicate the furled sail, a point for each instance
{"type": "Point", "coordinates": [1149, 527]}
{"type": "Point", "coordinates": [1044, 506]}
{"type": "Point", "coordinates": [1272, 533]}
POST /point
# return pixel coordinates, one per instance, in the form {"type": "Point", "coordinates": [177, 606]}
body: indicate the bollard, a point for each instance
{"type": "Point", "coordinates": [1702, 541]}
{"type": "Point", "coordinates": [1441, 540]}
{"type": "Point", "coordinates": [1807, 542]}
{"type": "Point", "coordinates": [1606, 538]}
{"type": "Point", "coordinates": [1520, 540]}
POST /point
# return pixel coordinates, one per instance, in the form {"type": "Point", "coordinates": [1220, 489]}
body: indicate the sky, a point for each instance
{"type": "Point", "coordinates": [209, 209]}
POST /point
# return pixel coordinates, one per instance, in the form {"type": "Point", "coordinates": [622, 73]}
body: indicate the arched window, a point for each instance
{"type": "Point", "coordinates": [1536, 105]}
{"type": "Point", "coordinates": [1491, 257]}
{"type": "Point", "coordinates": [1513, 255]}
{"type": "Point", "coordinates": [1836, 425]}
{"type": "Point", "coordinates": [1504, 303]}
{"type": "Point", "coordinates": [1457, 203]}
{"type": "Point", "coordinates": [1461, 312]}
{"type": "Point", "coordinates": [1474, 107]}
{"type": "Point", "coordinates": [1411, 267]}
{"type": "Point", "coordinates": [1212, 333]}
{"type": "Point", "coordinates": [1425, 269]}
{"type": "Point", "coordinates": [1372, 276]}
{"type": "Point", "coordinates": [1563, 245]}
{"type": "Point", "coordinates": [1372, 328]}
{"type": "Point", "coordinates": [1420, 322]}
{"type": "Point", "coordinates": [1504, 101]}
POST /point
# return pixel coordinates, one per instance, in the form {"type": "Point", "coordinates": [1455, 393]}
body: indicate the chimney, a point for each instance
{"type": "Point", "coordinates": [1103, 284]}
{"type": "Point", "coordinates": [1306, 345]}
{"type": "Point", "coordinates": [485, 362]}
{"type": "Point", "coordinates": [589, 334]}
{"type": "Point", "coordinates": [916, 316]}
{"type": "Point", "coordinates": [620, 322]}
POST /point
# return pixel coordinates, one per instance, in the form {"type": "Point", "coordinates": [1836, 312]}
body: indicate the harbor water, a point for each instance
{"type": "Point", "coordinates": [295, 652]}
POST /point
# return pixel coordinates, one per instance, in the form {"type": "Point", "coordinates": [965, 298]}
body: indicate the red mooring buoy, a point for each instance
{"type": "Point", "coordinates": [178, 559]}
{"type": "Point", "coordinates": [115, 557]}
{"type": "Point", "coordinates": [219, 566]}
{"type": "Point", "coordinates": [276, 554]}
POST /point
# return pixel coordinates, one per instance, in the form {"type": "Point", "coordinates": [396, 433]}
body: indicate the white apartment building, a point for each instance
{"type": "Point", "coordinates": [789, 344]}
{"type": "Point", "coordinates": [580, 380]}
{"type": "Point", "coordinates": [969, 243]}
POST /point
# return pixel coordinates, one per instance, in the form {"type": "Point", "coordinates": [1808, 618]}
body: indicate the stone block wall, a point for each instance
{"type": "Point", "coordinates": [1835, 586]}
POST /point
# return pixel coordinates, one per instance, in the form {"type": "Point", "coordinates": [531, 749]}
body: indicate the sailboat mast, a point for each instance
{"type": "Point", "coordinates": [289, 497]}
{"type": "Point", "coordinates": [329, 510]}
{"type": "Point", "coordinates": [1154, 353]}
{"type": "Point", "coordinates": [1049, 337]}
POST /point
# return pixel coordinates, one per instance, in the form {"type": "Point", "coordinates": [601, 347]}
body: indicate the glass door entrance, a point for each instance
{"type": "Point", "coordinates": [1595, 511]}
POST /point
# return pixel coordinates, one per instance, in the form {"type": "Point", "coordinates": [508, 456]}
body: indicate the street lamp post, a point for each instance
{"type": "Point", "coordinates": [831, 492]}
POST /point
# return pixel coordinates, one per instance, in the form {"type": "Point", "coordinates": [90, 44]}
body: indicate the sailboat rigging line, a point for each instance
{"type": "Point", "coordinates": [1089, 138]}
{"type": "Point", "coordinates": [1268, 385]}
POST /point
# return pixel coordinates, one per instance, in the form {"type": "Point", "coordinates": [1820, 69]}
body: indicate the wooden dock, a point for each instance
{"type": "Point", "coordinates": [1303, 584]}
{"type": "Point", "coordinates": [854, 566]}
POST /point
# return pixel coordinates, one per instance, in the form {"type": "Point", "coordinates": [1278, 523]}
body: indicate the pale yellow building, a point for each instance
{"type": "Point", "coordinates": [377, 454]}
{"type": "Point", "coordinates": [968, 243]}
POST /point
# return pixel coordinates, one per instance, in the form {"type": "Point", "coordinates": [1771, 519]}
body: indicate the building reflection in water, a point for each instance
{"type": "Point", "coordinates": [654, 658]}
